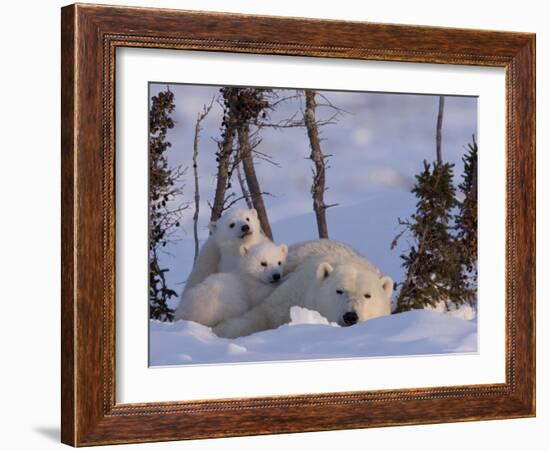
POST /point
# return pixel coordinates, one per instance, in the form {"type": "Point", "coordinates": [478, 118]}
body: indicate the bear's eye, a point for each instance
{"type": "Point", "coordinates": [279, 263]}
{"type": "Point", "coordinates": [368, 296]}
{"type": "Point", "coordinates": [247, 219]}
{"type": "Point", "coordinates": [340, 291]}
{"type": "Point", "coordinates": [232, 225]}
{"type": "Point", "coordinates": [264, 263]}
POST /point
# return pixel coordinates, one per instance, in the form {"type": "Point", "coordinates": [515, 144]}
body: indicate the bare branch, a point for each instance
{"type": "Point", "coordinates": [330, 104]}
{"type": "Point", "coordinates": [298, 95]}
{"type": "Point", "coordinates": [243, 197]}
{"type": "Point", "coordinates": [200, 117]}
{"type": "Point", "coordinates": [246, 194]}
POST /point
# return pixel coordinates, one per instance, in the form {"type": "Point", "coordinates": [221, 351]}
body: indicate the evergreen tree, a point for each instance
{"type": "Point", "coordinates": [466, 219]}
{"type": "Point", "coordinates": [164, 217]}
{"type": "Point", "coordinates": [433, 266]}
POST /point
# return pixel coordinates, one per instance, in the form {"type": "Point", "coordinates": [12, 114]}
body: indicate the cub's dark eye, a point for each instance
{"type": "Point", "coordinates": [247, 219]}
{"type": "Point", "coordinates": [264, 263]}
{"type": "Point", "coordinates": [340, 291]}
{"type": "Point", "coordinates": [279, 263]}
{"type": "Point", "coordinates": [368, 296]}
{"type": "Point", "coordinates": [232, 225]}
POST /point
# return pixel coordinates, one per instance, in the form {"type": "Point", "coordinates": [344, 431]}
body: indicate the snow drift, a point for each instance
{"type": "Point", "coordinates": [310, 336]}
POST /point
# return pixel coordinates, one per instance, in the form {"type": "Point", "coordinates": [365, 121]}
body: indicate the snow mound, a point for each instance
{"type": "Point", "coordinates": [310, 336]}
{"type": "Point", "coordinates": [465, 311]}
{"type": "Point", "coordinates": [301, 315]}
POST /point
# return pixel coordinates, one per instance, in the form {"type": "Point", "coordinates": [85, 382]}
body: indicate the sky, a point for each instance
{"type": "Point", "coordinates": [378, 145]}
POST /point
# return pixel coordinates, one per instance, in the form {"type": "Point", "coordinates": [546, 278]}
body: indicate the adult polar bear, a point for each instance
{"type": "Point", "coordinates": [326, 276]}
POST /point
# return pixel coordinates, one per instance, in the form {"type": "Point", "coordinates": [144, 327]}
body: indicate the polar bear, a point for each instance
{"type": "Point", "coordinates": [299, 252]}
{"type": "Point", "coordinates": [229, 294]}
{"type": "Point", "coordinates": [220, 253]}
{"type": "Point", "coordinates": [340, 284]}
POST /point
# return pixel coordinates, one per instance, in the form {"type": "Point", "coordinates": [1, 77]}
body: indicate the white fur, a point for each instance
{"type": "Point", "coordinates": [299, 252]}
{"type": "Point", "coordinates": [218, 297]}
{"type": "Point", "coordinates": [313, 284]}
{"type": "Point", "coordinates": [229, 294]}
{"type": "Point", "coordinates": [261, 269]}
{"type": "Point", "coordinates": [220, 253]}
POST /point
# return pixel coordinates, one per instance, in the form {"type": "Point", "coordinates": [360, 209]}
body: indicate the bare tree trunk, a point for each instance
{"type": "Point", "coordinates": [473, 146]}
{"type": "Point", "coordinates": [245, 150]}
{"type": "Point", "coordinates": [200, 118]}
{"type": "Point", "coordinates": [318, 186]}
{"type": "Point", "coordinates": [244, 189]}
{"type": "Point", "coordinates": [438, 135]}
{"type": "Point", "coordinates": [224, 157]}
{"type": "Point", "coordinates": [197, 193]}
{"type": "Point", "coordinates": [438, 131]}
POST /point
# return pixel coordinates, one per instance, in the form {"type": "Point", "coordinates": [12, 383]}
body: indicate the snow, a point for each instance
{"type": "Point", "coordinates": [310, 336]}
{"type": "Point", "coordinates": [301, 315]}
{"type": "Point", "coordinates": [465, 311]}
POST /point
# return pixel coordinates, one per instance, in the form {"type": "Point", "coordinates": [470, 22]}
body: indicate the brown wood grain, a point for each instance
{"type": "Point", "coordinates": [90, 35]}
{"type": "Point", "coordinates": [68, 240]}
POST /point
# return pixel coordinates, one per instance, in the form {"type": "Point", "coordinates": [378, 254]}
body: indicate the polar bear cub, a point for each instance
{"type": "Point", "coordinates": [229, 294]}
{"type": "Point", "coordinates": [221, 252]}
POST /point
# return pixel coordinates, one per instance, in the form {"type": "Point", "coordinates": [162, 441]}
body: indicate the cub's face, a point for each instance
{"type": "Point", "coordinates": [349, 294]}
{"type": "Point", "coordinates": [236, 226]}
{"type": "Point", "coordinates": [264, 261]}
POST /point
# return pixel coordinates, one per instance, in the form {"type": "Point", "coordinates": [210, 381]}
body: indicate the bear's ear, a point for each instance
{"type": "Point", "coordinates": [212, 226]}
{"type": "Point", "coordinates": [387, 285]}
{"type": "Point", "coordinates": [253, 212]}
{"type": "Point", "coordinates": [243, 250]}
{"type": "Point", "coordinates": [284, 249]}
{"type": "Point", "coordinates": [324, 270]}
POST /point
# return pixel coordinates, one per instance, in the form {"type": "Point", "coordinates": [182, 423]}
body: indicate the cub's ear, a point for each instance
{"type": "Point", "coordinates": [253, 212]}
{"type": "Point", "coordinates": [212, 226]}
{"type": "Point", "coordinates": [284, 249]}
{"type": "Point", "coordinates": [324, 270]}
{"type": "Point", "coordinates": [243, 250]}
{"type": "Point", "coordinates": [387, 285]}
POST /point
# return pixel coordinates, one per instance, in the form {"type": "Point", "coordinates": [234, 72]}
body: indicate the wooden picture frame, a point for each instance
{"type": "Point", "coordinates": [90, 36]}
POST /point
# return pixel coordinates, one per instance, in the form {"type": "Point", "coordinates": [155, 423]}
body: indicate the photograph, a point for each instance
{"type": "Point", "coordinates": [300, 223]}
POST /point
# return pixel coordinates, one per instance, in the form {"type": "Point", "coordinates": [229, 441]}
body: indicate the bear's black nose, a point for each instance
{"type": "Point", "coordinates": [245, 228]}
{"type": "Point", "coordinates": [276, 276]}
{"type": "Point", "coordinates": [350, 318]}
